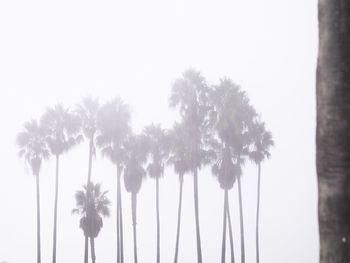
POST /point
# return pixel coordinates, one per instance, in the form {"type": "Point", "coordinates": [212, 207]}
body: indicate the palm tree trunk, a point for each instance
{"type": "Point", "coordinates": [223, 246]}
{"type": "Point", "coordinates": [158, 221]}
{"type": "Point", "coordinates": [133, 208]}
{"type": "Point", "coordinates": [92, 243]}
{"type": "Point", "coordinates": [241, 219]}
{"type": "Point", "coordinates": [55, 213]}
{"type": "Point", "coordinates": [121, 223]}
{"type": "Point", "coordinates": [86, 251]}
{"type": "Point", "coordinates": [178, 220]}
{"type": "Point", "coordinates": [118, 217]}
{"type": "Point", "coordinates": [230, 230]}
{"type": "Point", "coordinates": [332, 134]}
{"type": "Point", "coordinates": [91, 145]}
{"type": "Point", "coordinates": [38, 240]}
{"type": "Point", "coordinates": [257, 215]}
{"type": "Point", "coordinates": [196, 211]}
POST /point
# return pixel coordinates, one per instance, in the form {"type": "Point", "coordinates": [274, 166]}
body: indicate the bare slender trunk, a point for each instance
{"type": "Point", "coordinates": [196, 211]}
{"type": "Point", "coordinates": [118, 217]}
{"type": "Point", "coordinates": [178, 220]}
{"type": "Point", "coordinates": [55, 213]}
{"type": "Point", "coordinates": [333, 126]}
{"type": "Point", "coordinates": [223, 246]}
{"type": "Point", "coordinates": [158, 221]}
{"type": "Point", "coordinates": [86, 251]}
{"type": "Point", "coordinates": [92, 243]}
{"type": "Point", "coordinates": [257, 215]}
{"type": "Point", "coordinates": [133, 208]}
{"type": "Point", "coordinates": [121, 223]}
{"type": "Point", "coordinates": [241, 219]}
{"type": "Point", "coordinates": [230, 231]}
{"type": "Point", "coordinates": [38, 240]}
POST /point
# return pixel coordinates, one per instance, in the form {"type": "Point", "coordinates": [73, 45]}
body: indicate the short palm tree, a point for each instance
{"type": "Point", "coordinates": [87, 112]}
{"type": "Point", "coordinates": [91, 204]}
{"type": "Point", "coordinates": [62, 134]}
{"type": "Point", "coordinates": [114, 128]}
{"type": "Point", "coordinates": [33, 149]}
{"type": "Point", "coordinates": [158, 142]}
{"type": "Point", "coordinates": [232, 117]}
{"type": "Point", "coordinates": [134, 173]}
{"type": "Point", "coordinates": [260, 150]}
{"type": "Point", "coordinates": [178, 158]}
{"type": "Point", "coordinates": [190, 94]}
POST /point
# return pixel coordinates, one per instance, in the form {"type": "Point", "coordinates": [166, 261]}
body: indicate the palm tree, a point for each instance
{"type": "Point", "coordinates": [232, 117]}
{"type": "Point", "coordinates": [332, 133]}
{"type": "Point", "coordinates": [62, 134]}
{"type": "Point", "coordinates": [114, 127]}
{"type": "Point", "coordinates": [178, 158]}
{"type": "Point", "coordinates": [87, 111]}
{"type": "Point", "coordinates": [91, 204]}
{"type": "Point", "coordinates": [134, 173]}
{"type": "Point", "coordinates": [261, 143]}
{"type": "Point", "coordinates": [190, 94]}
{"type": "Point", "coordinates": [159, 152]}
{"type": "Point", "coordinates": [33, 149]}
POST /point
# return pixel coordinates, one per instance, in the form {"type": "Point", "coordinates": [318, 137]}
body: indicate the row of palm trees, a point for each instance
{"type": "Point", "coordinates": [218, 127]}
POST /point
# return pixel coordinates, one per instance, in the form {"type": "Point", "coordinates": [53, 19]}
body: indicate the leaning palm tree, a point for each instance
{"type": "Point", "coordinates": [190, 94]}
{"type": "Point", "coordinates": [261, 144]}
{"type": "Point", "coordinates": [91, 204]}
{"type": "Point", "coordinates": [134, 173]}
{"type": "Point", "coordinates": [114, 127]}
{"type": "Point", "coordinates": [178, 158]}
{"type": "Point", "coordinates": [62, 134]}
{"type": "Point", "coordinates": [159, 152]}
{"type": "Point", "coordinates": [33, 148]}
{"type": "Point", "coordinates": [232, 116]}
{"type": "Point", "coordinates": [87, 111]}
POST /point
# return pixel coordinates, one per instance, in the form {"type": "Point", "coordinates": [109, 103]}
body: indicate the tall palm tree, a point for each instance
{"type": "Point", "coordinates": [134, 174]}
{"type": "Point", "coordinates": [190, 94]}
{"type": "Point", "coordinates": [114, 126]}
{"type": "Point", "coordinates": [332, 133]}
{"type": "Point", "coordinates": [158, 142]}
{"type": "Point", "coordinates": [232, 116]}
{"type": "Point", "coordinates": [62, 134]}
{"type": "Point", "coordinates": [261, 144]}
{"type": "Point", "coordinates": [91, 204]}
{"type": "Point", "coordinates": [87, 111]}
{"type": "Point", "coordinates": [178, 158]}
{"type": "Point", "coordinates": [33, 149]}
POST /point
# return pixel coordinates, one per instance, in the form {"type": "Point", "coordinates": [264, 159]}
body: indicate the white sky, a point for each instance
{"type": "Point", "coordinates": [59, 51]}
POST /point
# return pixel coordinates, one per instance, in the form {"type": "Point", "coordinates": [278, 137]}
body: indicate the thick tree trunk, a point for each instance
{"type": "Point", "coordinates": [178, 220]}
{"type": "Point", "coordinates": [55, 213]}
{"type": "Point", "coordinates": [241, 219]}
{"type": "Point", "coordinates": [333, 126]}
{"type": "Point", "coordinates": [121, 223]}
{"type": "Point", "coordinates": [38, 240]}
{"type": "Point", "coordinates": [118, 217]}
{"type": "Point", "coordinates": [223, 245]}
{"type": "Point", "coordinates": [257, 216]}
{"type": "Point", "coordinates": [196, 211]}
{"type": "Point", "coordinates": [230, 230]}
{"type": "Point", "coordinates": [93, 255]}
{"type": "Point", "coordinates": [158, 221]}
{"type": "Point", "coordinates": [133, 208]}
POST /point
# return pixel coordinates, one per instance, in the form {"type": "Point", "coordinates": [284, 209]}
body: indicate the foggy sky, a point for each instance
{"type": "Point", "coordinates": [60, 51]}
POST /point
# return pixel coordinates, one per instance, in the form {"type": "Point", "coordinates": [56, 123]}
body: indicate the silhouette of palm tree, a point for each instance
{"type": "Point", "coordinates": [159, 144]}
{"type": "Point", "coordinates": [33, 149]}
{"type": "Point", "coordinates": [87, 111]}
{"type": "Point", "coordinates": [137, 152]}
{"type": "Point", "coordinates": [261, 144]}
{"type": "Point", "coordinates": [178, 158]}
{"type": "Point", "coordinates": [114, 127]}
{"type": "Point", "coordinates": [62, 134]}
{"type": "Point", "coordinates": [91, 204]}
{"type": "Point", "coordinates": [190, 94]}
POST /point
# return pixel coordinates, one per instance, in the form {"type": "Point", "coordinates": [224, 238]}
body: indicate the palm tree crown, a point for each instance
{"type": "Point", "coordinates": [261, 142]}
